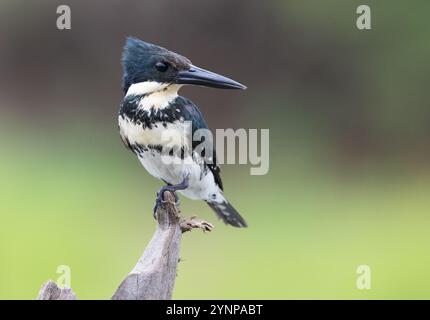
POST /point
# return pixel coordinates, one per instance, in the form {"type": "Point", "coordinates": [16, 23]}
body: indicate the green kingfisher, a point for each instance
{"type": "Point", "coordinates": [153, 118]}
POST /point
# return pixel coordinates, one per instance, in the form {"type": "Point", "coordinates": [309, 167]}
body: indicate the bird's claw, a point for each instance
{"type": "Point", "coordinates": [172, 188]}
{"type": "Point", "coordinates": [195, 223]}
{"type": "Point", "coordinates": [160, 200]}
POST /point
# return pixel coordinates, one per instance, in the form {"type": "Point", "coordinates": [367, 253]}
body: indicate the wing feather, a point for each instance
{"type": "Point", "coordinates": [191, 113]}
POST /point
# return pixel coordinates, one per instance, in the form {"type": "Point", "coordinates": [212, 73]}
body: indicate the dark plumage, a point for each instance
{"type": "Point", "coordinates": [139, 58]}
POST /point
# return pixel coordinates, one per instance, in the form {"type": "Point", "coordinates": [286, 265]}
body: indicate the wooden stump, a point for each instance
{"type": "Point", "coordinates": [153, 277]}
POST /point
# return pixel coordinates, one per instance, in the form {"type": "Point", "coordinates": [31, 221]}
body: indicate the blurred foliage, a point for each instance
{"type": "Point", "coordinates": [349, 119]}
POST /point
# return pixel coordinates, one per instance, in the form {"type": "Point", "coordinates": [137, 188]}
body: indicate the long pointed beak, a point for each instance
{"type": "Point", "coordinates": [202, 77]}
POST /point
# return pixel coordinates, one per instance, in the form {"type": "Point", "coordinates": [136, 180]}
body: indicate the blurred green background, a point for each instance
{"type": "Point", "coordinates": [348, 113]}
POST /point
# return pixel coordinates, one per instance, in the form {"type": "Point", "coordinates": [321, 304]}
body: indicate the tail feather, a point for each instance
{"type": "Point", "coordinates": [228, 214]}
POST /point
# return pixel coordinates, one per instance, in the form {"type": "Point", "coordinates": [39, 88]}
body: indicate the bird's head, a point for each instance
{"type": "Point", "coordinates": [150, 65]}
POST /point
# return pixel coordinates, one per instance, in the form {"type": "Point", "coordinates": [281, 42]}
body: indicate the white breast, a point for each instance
{"type": "Point", "coordinates": [156, 95]}
{"type": "Point", "coordinates": [202, 184]}
{"type": "Point", "coordinates": [177, 133]}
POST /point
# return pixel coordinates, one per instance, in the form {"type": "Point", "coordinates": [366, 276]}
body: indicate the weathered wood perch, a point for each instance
{"type": "Point", "coordinates": [154, 275]}
{"type": "Point", "coordinates": [51, 291]}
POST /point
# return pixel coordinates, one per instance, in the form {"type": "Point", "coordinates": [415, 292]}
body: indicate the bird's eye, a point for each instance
{"type": "Point", "coordinates": [162, 66]}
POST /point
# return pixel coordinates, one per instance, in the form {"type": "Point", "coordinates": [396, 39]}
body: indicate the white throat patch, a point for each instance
{"type": "Point", "coordinates": [156, 95]}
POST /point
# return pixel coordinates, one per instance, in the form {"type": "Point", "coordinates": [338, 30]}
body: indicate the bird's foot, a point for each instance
{"type": "Point", "coordinates": [195, 223]}
{"type": "Point", "coordinates": [172, 188]}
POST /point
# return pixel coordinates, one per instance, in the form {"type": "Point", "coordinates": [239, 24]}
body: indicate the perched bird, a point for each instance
{"type": "Point", "coordinates": [152, 110]}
